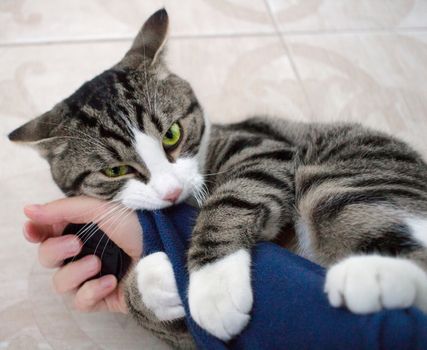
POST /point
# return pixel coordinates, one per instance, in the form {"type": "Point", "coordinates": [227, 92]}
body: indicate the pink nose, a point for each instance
{"type": "Point", "coordinates": [173, 195]}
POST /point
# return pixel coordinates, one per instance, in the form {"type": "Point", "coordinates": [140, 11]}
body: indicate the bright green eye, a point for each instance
{"type": "Point", "coordinates": [172, 136]}
{"type": "Point", "coordinates": [118, 171]}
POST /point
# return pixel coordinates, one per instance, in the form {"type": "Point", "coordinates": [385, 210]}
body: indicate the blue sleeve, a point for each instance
{"type": "Point", "coordinates": [290, 308]}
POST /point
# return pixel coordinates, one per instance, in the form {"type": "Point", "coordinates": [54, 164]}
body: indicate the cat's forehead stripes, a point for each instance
{"type": "Point", "coordinates": [125, 98]}
{"type": "Point", "coordinates": [139, 113]}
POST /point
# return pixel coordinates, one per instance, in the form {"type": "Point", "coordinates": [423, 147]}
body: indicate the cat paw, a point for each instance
{"type": "Point", "coordinates": [157, 286]}
{"type": "Point", "coordinates": [366, 284]}
{"type": "Point", "coordinates": [220, 295]}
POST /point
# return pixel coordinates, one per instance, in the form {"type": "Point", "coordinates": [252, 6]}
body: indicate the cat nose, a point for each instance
{"type": "Point", "coordinates": [173, 195]}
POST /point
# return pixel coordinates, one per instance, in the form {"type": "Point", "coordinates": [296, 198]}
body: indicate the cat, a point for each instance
{"type": "Point", "coordinates": [137, 134]}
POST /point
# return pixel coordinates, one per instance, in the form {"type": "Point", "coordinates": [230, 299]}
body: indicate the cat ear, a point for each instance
{"type": "Point", "coordinates": [36, 130]}
{"type": "Point", "coordinates": [152, 37]}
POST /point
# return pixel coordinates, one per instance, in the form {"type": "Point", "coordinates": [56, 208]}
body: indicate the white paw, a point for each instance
{"type": "Point", "coordinates": [220, 295]}
{"type": "Point", "coordinates": [157, 285]}
{"type": "Point", "coordinates": [366, 284]}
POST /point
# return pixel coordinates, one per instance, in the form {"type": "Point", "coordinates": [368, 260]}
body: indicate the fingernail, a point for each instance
{"type": "Point", "coordinates": [73, 246]}
{"type": "Point", "coordinates": [107, 282]}
{"type": "Point", "coordinates": [92, 263]}
{"type": "Point", "coordinates": [25, 232]}
{"type": "Point", "coordinates": [28, 236]}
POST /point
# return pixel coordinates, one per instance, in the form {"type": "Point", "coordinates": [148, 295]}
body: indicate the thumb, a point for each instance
{"type": "Point", "coordinates": [117, 222]}
{"type": "Point", "coordinates": [77, 210]}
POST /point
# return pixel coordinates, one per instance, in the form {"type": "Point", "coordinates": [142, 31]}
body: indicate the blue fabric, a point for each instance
{"type": "Point", "coordinates": [290, 309]}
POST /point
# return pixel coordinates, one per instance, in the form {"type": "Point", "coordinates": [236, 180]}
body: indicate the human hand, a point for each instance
{"type": "Point", "coordinates": [45, 227]}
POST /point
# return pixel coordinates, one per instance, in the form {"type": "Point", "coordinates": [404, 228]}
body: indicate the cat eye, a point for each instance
{"type": "Point", "coordinates": [172, 136]}
{"type": "Point", "coordinates": [117, 171]}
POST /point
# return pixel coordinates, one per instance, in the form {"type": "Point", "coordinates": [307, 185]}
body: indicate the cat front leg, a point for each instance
{"type": "Point", "coordinates": [220, 292]}
{"type": "Point", "coordinates": [157, 286]}
{"type": "Point", "coordinates": [220, 295]}
{"type": "Point", "coordinates": [251, 198]}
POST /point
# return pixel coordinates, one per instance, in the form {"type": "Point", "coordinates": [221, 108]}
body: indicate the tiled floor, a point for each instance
{"type": "Point", "coordinates": [313, 60]}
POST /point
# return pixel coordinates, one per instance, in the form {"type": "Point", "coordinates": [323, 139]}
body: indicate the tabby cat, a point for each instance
{"type": "Point", "coordinates": [136, 133]}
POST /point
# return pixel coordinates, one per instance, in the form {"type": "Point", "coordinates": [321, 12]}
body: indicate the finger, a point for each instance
{"type": "Point", "coordinates": [116, 301]}
{"type": "Point", "coordinates": [113, 302]}
{"type": "Point", "coordinates": [111, 218]}
{"type": "Point", "coordinates": [90, 296]}
{"type": "Point", "coordinates": [77, 210]}
{"type": "Point", "coordinates": [53, 251]}
{"type": "Point", "coordinates": [33, 233]}
{"type": "Point", "coordinates": [72, 275]}
{"type": "Point", "coordinates": [37, 233]}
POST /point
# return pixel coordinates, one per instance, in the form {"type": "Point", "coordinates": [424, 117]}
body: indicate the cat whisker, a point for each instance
{"type": "Point", "coordinates": [117, 216]}
{"type": "Point", "coordinates": [102, 214]}
{"type": "Point", "coordinates": [219, 172]}
{"type": "Point", "coordinates": [123, 217]}
{"type": "Point", "coordinates": [106, 225]}
{"type": "Point", "coordinates": [88, 229]}
{"type": "Point", "coordinates": [130, 127]}
{"type": "Point", "coordinates": [155, 95]}
{"type": "Point", "coordinates": [146, 85]}
{"type": "Point", "coordinates": [107, 217]}
{"type": "Point", "coordinates": [99, 207]}
{"type": "Point", "coordinates": [86, 137]}
{"type": "Point", "coordinates": [100, 225]}
{"type": "Point", "coordinates": [200, 191]}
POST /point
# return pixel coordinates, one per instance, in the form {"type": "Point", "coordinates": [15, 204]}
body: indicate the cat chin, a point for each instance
{"type": "Point", "coordinates": [135, 204]}
{"type": "Point", "coordinates": [138, 206]}
{"type": "Point", "coordinates": [137, 197]}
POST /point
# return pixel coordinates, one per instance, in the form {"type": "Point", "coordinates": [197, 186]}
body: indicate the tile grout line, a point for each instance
{"type": "Point", "coordinates": [290, 57]}
{"type": "Point", "coordinates": [130, 38]}
{"type": "Point", "coordinates": [349, 31]}
{"type": "Point", "coordinates": [277, 31]}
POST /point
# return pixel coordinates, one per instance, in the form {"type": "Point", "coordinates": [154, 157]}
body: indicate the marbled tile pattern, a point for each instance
{"type": "Point", "coordinates": [312, 60]}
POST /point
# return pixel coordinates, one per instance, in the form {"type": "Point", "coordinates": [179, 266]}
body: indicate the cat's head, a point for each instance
{"type": "Point", "coordinates": [135, 133]}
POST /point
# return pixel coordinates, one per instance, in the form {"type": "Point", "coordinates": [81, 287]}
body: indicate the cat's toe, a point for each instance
{"type": "Point", "coordinates": [220, 295]}
{"type": "Point", "coordinates": [366, 284]}
{"type": "Point", "coordinates": [348, 284]}
{"type": "Point", "coordinates": [157, 285]}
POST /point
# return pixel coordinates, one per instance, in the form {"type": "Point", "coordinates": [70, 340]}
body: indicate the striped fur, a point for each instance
{"type": "Point", "coordinates": [353, 188]}
{"type": "Point", "coordinates": [344, 188]}
{"type": "Point", "coordinates": [93, 128]}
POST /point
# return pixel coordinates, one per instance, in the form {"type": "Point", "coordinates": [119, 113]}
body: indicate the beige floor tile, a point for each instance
{"type": "Point", "coordinates": [238, 77]}
{"type": "Point", "coordinates": [56, 20]}
{"type": "Point", "coordinates": [315, 15]}
{"type": "Point", "coordinates": [378, 80]}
